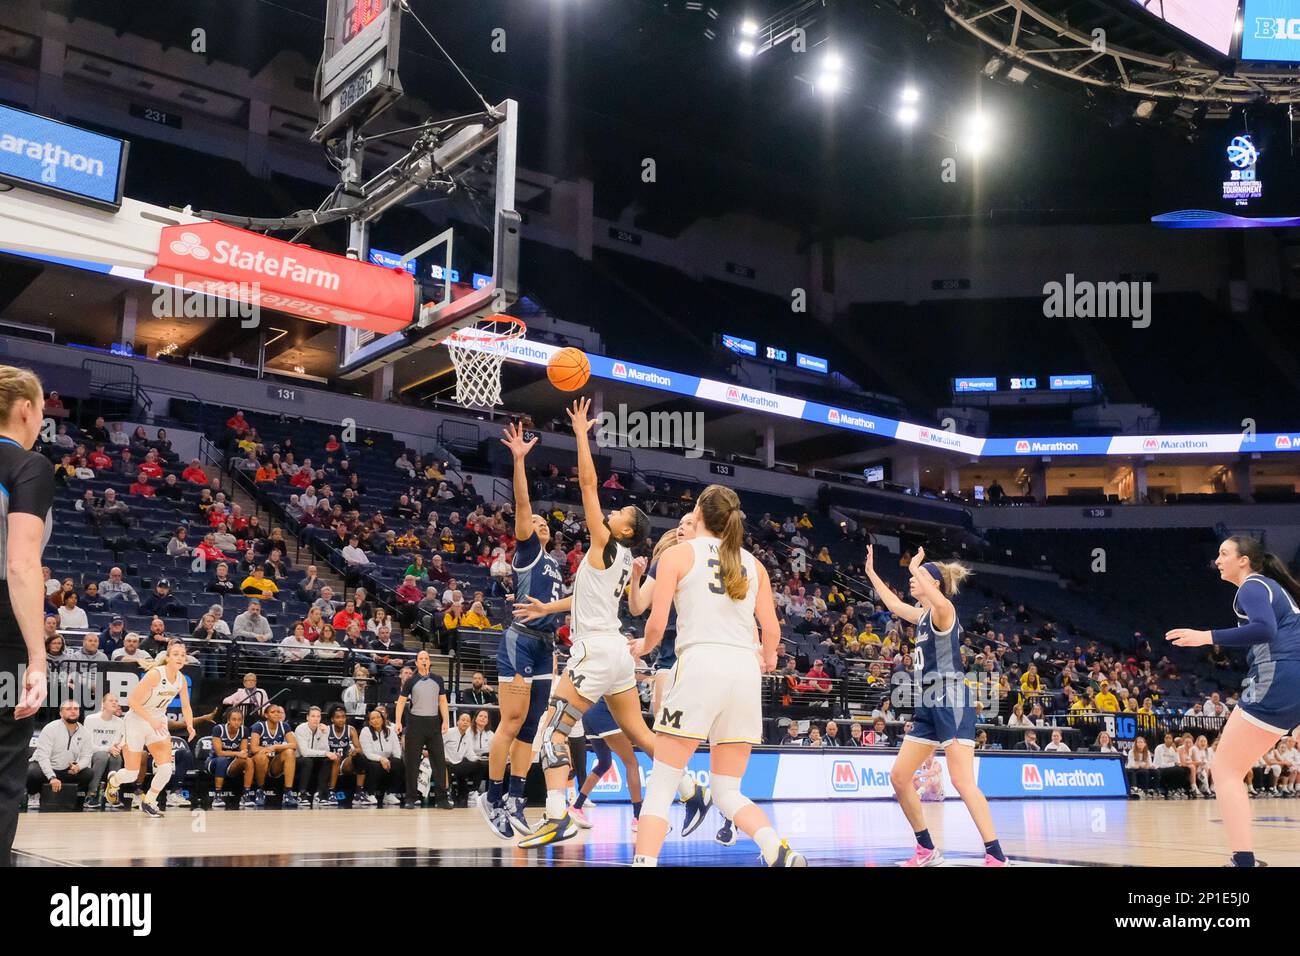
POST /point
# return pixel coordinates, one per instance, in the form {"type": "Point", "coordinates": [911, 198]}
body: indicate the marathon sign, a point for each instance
{"type": "Point", "coordinates": [294, 279]}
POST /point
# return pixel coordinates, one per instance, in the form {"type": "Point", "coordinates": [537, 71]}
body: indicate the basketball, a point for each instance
{"type": "Point", "coordinates": [568, 369]}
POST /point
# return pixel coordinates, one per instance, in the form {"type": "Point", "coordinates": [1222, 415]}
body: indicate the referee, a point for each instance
{"type": "Point", "coordinates": [26, 497]}
{"type": "Point", "coordinates": [427, 698]}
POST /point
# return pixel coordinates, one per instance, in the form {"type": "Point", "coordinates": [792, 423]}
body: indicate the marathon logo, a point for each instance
{"type": "Point", "coordinates": [633, 374]}
{"type": "Point", "coordinates": [1030, 777]}
{"type": "Point", "coordinates": [1045, 447]}
{"type": "Point", "coordinates": [837, 417]}
{"type": "Point", "coordinates": [1282, 441]}
{"type": "Point", "coordinates": [846, 778]}
{"type": "Point", "coordinates": [742, 397]}
{"type": "Point", "coordinates": [1074, 778]}
{"type": "Point", "coordinates": [940, 438]}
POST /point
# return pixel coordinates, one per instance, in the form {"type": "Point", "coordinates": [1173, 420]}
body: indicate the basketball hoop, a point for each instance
{"type": "Point", "coordinates": [477, 352]}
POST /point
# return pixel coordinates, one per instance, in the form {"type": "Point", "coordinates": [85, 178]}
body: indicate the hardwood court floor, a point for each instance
{"type": "Point", "coordinates": [1033, 832]}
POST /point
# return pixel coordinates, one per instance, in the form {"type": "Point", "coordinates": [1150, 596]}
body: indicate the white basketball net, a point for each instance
{"type": "Point", "coordinates": [477, 353]}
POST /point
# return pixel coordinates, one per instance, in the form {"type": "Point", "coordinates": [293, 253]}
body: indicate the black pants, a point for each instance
{"type": "Point", "coordinates": [309, 768]}
{"type": "Point", "coordinates": [425, 733]}
{"type": "Point", "coordinates": [1175, 778]}
{"type": "Point", "coordinates": [1144, 778]}
{"type": "Point", "coordinates": [15, 741]}
{"type": "Point", "coordinates": [380, 781]}
{"type": "Point", "coordinates": [36, 778]}
{"type": "Point", "coordinates": [466, 777]}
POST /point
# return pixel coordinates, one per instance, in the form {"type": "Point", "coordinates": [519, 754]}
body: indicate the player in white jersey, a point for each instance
{"type": "Point", "coordinates": [718, 589]}
{"type": "Point", "coordinates": [599, 663]}
{"type": "Point", "coordinates": [145, 728]}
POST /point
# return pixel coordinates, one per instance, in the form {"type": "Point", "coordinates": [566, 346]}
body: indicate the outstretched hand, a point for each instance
{"type": "Point", "coordinates": [918, 559]}
{"type": "Point", "coordinates": [515, 441]}
{"type": "Point", "coordinates": [578, 416]}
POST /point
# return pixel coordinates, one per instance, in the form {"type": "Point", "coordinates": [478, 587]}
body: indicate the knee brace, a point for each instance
{"type": "Point", "coordinates": [727, 796]}
{"type": "Point", "coordinates": [660, 790]}
{"type": "Point", "coordinates": [563, 716]}
{"type": "Point", "coordinates": [161, 774]}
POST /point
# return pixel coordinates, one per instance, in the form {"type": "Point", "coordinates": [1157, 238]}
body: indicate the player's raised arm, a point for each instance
{"type": "Point", "coordinates": [596, 526]}
{"type": "Point", "coordinates": [519, 449]}
{"type": "Point", "coordinates": [892, 601]}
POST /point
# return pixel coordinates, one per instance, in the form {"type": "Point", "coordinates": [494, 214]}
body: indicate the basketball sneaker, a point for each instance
{"type": "Point", "coordinates": [924, 857]}
{"type": "Point", "coordinates": [991, 860]}
{"type": "Point", "coordinates": [697, 808]}
{"type": "Point", "coordinates": [787, 857]}
{"type": "Point", "coordinates": [579, 816]}
{"type": "Point", "coordinates": [495, 817]}
{"type": "Point", "coordinates": [150, 807]}
{"type": "Point", "coordinates": [112, 794]}
{"type": "Point", "coordinates": [514, 810]}
{"type": "Point", "coordinates": [726, 836]}
{"type": "Point", "coordinates": [549, 832]}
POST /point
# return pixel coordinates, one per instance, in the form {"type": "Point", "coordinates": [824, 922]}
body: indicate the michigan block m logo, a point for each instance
{"type": "Point", "coordinates": [673, 719]}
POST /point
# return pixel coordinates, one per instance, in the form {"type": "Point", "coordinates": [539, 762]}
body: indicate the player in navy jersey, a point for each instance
{"type": "Point", "coordinates": [944, 718]}
{"type": "Point", "coordinates": [275, 752]}
{"type": "Point", "coordinates": [1267, 606]}
{"type": "Point", "coordinates": [230, 755]}
{"type": "Point", "coordinates": [525, 656]}
{"type": "Point", "coordinates": [345, 756]}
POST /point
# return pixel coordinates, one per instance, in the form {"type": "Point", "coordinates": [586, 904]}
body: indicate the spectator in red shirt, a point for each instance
{"type": "Point", "coordinates": [99, 459]}
{"type": "Point", "coordinates": [208, 548]}
{"type": "Point", "coordinates": [302, 478]}
{"type": "Point", "coordinates": [409, 591]}
{"type": "Point", "coordinates": [348, 615]}
{"type": "Point", "coordinates": [817, 679]}
{"type": "Point", "coordinates": [238, 423]}
{"type": "Point", "coordinates": [195, 473]}
{"type": "Point", "coordinates": [237, 521]}
{"type": "Point", "coordinates": [332, 444]}
{"type": "Point", "coordinates": [613, 483]}
{"type": "Point", "coordinates": [150, 466]}
{"type": "Point", "coordinates": [575, 558]}
{"type": "Point", "coordinates": [142, 486]}
{"type": "Point", "coordinates": [54, 403]}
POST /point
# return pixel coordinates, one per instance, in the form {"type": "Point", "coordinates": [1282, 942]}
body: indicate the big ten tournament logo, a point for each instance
{"type": "Point", "coordinates": [632, 429]}
{"type": "Point", "coordinates": [1243, 183]}
{"type": "Point", "coordinates": [1082, 299]}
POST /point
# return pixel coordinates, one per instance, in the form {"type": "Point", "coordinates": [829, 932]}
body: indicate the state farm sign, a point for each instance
{"type": "Point", "coordinates": [221, 260]}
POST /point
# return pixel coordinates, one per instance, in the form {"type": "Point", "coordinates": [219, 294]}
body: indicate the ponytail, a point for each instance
{"type": "Point", "coordinates": [666, 541]}
{"type": "Point", "coordinates": [720, 510]}
{"type": "Point", "coordinates": [1266, 563]}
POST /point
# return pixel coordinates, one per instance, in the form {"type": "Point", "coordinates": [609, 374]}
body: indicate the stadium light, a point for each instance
{"type": "Point", "coordinates": [749, 28]}
{"type": "Point", "coordinates": [976, 133]}
{"type": "Point", "coordinates": [832, 63]}
{"type": "Point", "coordinates": [910, 95]}
{"type": "Point", "coordinates": [829, 84]}
{"type": "Point", "coordinates": [746, 48]}
{"type": "Point", "coordinates": [907, 114]}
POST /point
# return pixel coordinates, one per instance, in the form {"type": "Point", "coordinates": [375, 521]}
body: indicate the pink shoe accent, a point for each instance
{"type": "Point", "coordinates": [924, 857]}
{"type": "Point", "coordinates": [579, 817]}
{"type": "Point", "coordinates": [991, 860]}
{"type": "Point", "coordinates": [635, 822]}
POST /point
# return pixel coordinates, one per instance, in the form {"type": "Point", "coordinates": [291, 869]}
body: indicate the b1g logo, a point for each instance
{"type": "Point", "coordinates": [612, 781]}
{"type": "Point", "coordinates": [1277, 28]}
{"type": "Point", "coordinates": [1030, 777]}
